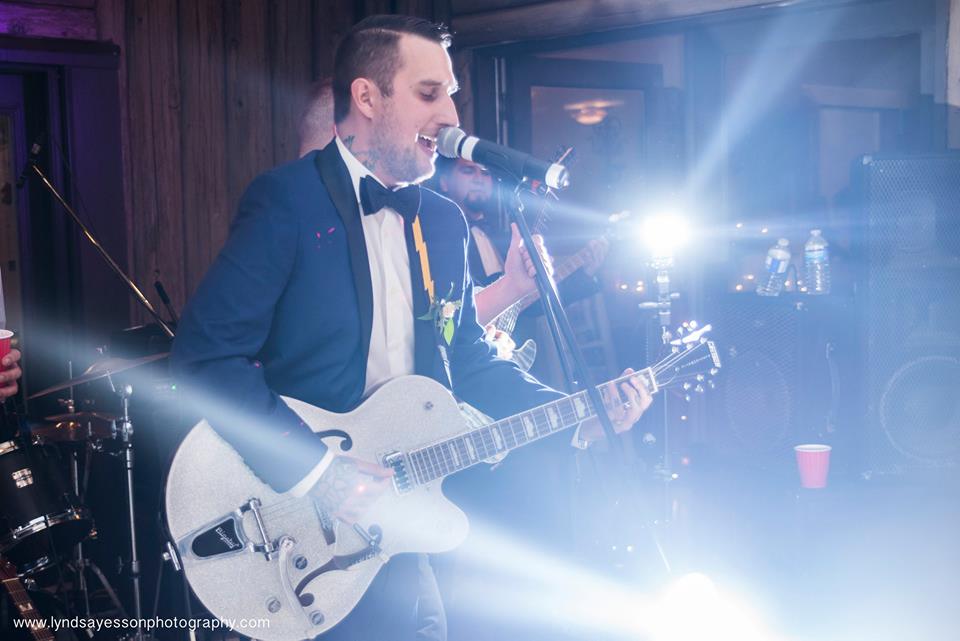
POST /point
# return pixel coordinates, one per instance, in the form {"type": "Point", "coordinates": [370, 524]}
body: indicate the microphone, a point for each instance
{"type": "Point", "coordinates": [452, 142]}
{"type": "Point", "coordinates": [35, 149]}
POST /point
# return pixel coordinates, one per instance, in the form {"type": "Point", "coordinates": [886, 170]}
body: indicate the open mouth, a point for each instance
{"type": "Point", "coordinates": [429, 143]}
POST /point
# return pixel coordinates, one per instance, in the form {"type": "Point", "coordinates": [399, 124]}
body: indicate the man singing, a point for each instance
{"type": "Point", "coordinates": [319, 291]}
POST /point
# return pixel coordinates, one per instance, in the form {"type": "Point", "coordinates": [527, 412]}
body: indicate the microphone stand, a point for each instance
{"type": "Point", "coordinates": [559, 324]}
{"type": "Point", "coordinates": [560, 328]}
{"type": "Point", "coordinates": [137, 294]}
{"type": "Point", "coordinates": [663, 306]}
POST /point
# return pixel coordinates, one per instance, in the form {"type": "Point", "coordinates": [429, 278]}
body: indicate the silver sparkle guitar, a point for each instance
{"type": "Point", "coordinates": [249, 552]}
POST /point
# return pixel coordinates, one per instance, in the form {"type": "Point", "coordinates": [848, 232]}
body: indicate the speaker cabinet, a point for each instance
{"type": "Point", "coordinates": [781, 382]}
{"type": "Point", "coordinates": [911, 314]}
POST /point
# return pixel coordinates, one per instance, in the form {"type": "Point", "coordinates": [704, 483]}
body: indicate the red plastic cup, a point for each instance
{"type": "Point", "coordinates": [5, 337]}
{"type": "Point", "coordinates": [814, 463]}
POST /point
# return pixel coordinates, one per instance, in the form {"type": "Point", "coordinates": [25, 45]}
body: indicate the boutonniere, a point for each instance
{"type": "Point", "coordinates": [442, 312]}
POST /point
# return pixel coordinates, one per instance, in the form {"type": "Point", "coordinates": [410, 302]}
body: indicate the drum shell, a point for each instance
{"type": "Point", "coordinates": [40, 517]}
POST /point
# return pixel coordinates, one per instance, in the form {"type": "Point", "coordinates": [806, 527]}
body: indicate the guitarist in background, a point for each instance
{"type": "Point", "coordinates": [472, 188]}
{"type": "Point", "coordinates": [322, 293]}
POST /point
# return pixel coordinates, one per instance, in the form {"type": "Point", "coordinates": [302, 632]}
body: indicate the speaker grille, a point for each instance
{"type": "Point", "coordinates": [913, 291]}
{"type": "Point", "coordinates": [753, 411]}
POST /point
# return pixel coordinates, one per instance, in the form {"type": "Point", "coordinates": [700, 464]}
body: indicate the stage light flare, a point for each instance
{"type": "Point", "coordinates": [665, 232]}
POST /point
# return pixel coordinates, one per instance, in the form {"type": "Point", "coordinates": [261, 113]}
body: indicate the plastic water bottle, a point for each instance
{"type": "Point", "coordinates": [778, 260]}
{"type": "Point", "coordinates": [816, 261]}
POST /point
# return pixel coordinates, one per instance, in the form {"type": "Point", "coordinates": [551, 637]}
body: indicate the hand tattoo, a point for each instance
{"type": "Point", "coordinates": [337, 484]}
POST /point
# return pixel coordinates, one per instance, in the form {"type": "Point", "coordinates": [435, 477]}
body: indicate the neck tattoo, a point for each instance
{"type": "Point", "coordinates": [367, 157]}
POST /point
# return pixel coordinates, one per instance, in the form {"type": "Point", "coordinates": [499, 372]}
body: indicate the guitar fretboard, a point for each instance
{"type": "Point", "coordinates": [474, 446]}
{"type": "Point", "coordinates": [27, 610]}
{"type": "Point", "coordinates": [460, 452]}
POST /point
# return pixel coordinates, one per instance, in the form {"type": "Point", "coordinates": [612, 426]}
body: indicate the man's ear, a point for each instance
{"type": "Point", "coordinates": [365, 96]}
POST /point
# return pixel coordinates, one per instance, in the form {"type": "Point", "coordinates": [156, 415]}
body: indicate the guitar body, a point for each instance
{"type": "Point", "coordinates": [251, 553]}
{"type": "Point", "coordinates": [217, 538]}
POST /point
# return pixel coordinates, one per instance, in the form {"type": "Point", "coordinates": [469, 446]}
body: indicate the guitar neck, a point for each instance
{"type": "Point", "coordinates": [28, 612]}
{"type": "Point", "coordinates": [474, 446]}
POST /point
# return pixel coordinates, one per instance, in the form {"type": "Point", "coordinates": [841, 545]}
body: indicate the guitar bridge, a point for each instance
{"type": "Point", "coordinates": [402, 482]}
{"type": "Point", "coordinates": [269, 547]}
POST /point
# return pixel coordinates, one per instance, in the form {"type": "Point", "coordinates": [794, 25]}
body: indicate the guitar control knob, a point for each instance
{"type": "Point", "coordinates": [316, 617]}
{"type": "Point", "coordinates": [273, 605]}
{"type": "Point", "coordinates": [300, 562]}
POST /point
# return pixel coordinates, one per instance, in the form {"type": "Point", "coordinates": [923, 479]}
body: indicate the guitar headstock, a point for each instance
{"type": "Point", "coordinates": [692, 364]}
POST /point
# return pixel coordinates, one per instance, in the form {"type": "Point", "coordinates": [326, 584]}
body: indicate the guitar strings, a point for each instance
{"type": "Point", "coordinates": [289, 504]}
{"type": "Point", "coordinates": [665, 364]}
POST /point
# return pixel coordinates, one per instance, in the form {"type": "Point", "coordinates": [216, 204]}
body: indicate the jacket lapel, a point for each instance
{"type": "Point", "coordinates": [335, 176]}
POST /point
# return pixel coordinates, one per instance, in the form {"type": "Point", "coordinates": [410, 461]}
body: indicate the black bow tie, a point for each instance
{"type": "Point", "coordinates": [374, 197]}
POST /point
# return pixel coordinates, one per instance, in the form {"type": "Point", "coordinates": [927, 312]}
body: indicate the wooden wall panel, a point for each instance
{"type": "Point", "coordinates": [143, 180]}
{"type": "Point", "coordinates": [112, 26]}
{"type": "Point", "coordinates": [330, 22]}
{"type": "Point", "coordinates": [168, 158]}
{"type": "Point", "coordinates": [45, 21]}
{"type": "Point", "coordinates": [291, 62]}
{"type": "Point", "coordinates": [373, 7]}
{"type": "Point", "coordinates": [206, 213]}
{"type": "Point", "coordinates": [211, 95]}
{"type": "Point", "coordinates": [421, 8]}
{"type": "Point", "coordinates": [249, 111]}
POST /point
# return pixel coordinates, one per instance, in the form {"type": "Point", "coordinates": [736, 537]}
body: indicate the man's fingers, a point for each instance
{"type": "Point", "coordinates": [8, 391]}
{"type": "Point", "coordinates": [632, 407]}
{"type": "Point", "coordinates": [10, 375]}
{"type": "Point", "coordinates": [374, 470]}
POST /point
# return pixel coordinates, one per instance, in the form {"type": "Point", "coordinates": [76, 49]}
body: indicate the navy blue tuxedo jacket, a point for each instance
{"type": "Point", "coordinates": [286, 309]}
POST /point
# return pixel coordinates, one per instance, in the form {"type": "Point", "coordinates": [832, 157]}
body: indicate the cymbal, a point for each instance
{"type": "Point", "coordinates": [81, 417]}
{"type": "Point", "coordinates": [101, 369]}
{"type": "Point", "coordinates": [76, 426]}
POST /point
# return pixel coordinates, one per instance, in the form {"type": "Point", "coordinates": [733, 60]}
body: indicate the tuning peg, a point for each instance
{"type": "Point", "coordinates": [687, 386]}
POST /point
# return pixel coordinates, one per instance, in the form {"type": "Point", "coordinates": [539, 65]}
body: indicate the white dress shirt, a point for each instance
{"type": "Point", "coordinates": [391, 336]}
{"type": "Point", "coordinates": [489, 256]}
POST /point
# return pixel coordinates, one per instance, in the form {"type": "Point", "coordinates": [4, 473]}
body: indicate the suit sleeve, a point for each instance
{"type": "Point", "coordinates": [223, 329]}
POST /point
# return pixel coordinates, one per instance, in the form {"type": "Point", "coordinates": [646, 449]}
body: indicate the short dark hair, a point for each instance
{"type": "Point", "coordinates": [318, 113]}
{"type": "Point", "coordinates": [369, 50]}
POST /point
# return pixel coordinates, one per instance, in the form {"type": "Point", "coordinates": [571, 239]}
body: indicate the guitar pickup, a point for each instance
{"type": "Point", "coordinates": [396, 461]}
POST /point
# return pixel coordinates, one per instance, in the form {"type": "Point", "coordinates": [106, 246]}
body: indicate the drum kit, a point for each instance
{"type": "Point", "coordinates": [44, 521]}
{"type": "Point", "coordinates": [43, 518]}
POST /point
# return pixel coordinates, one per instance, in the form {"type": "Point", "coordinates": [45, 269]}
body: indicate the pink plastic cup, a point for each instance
{"type": "Point", "coordinates": [814, 463]}
{"type": "Point", "coordinates": [5, 337]}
